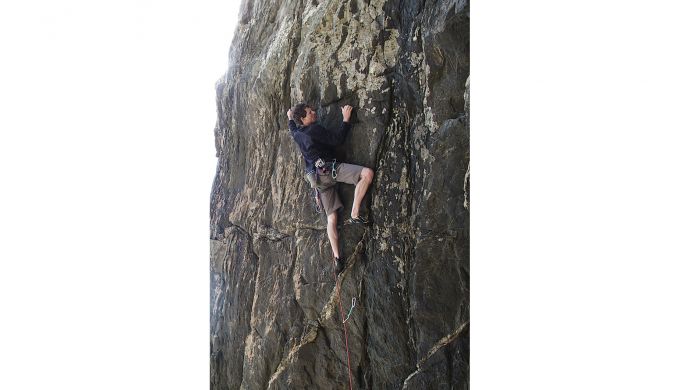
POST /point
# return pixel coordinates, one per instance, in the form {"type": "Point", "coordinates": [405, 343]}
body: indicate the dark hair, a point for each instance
{"type": "Point", "coordinates": [299, 112]}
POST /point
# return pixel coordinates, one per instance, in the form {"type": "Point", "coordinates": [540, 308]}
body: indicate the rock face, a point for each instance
{"type": "Point", "coordinates": [275, 320]}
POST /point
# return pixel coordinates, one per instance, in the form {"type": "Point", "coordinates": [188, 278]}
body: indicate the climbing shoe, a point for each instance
{"type": "Point", "coordinates": [357, 221]}
{"type": "Point", "coordinates": [339, 265]}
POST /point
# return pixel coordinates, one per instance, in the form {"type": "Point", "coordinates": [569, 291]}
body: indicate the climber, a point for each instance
{"type": "Point", "coordinates": [322, 170]}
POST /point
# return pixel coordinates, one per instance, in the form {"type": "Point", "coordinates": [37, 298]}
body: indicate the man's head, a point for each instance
{"type": "Point", "coordinates": [304, 114]}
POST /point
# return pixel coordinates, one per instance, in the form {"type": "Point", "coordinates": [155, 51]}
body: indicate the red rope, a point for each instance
{"type": "Point", "coordinates": [342, 315]}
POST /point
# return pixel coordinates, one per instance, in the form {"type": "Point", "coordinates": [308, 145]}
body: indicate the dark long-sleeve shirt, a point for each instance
{"type": "Point", "coordinates": [315, 141]}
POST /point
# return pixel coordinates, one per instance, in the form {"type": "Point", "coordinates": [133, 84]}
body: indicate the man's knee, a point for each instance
{"type": "Point", "coordinates": [367, 174]}
{"type": "Point", "coordinates": [332, 218]}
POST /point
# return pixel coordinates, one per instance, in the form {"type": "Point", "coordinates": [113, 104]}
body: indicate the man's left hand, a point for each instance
{"type": "Point", "coordinates": [346, 113]}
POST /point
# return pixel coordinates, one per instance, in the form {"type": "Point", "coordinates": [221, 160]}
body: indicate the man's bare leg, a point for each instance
{"type": "Point", "coordinates": [360, 190]}
{"type": "Point", "coordinates": [332, 230]}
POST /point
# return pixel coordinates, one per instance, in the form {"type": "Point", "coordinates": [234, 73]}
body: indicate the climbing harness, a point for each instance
{"type": "Point", "coordinates": [321, 169]}
{"type": "Point", "coordinates": [313, 177]}
{"type": "Point", "coordinates": [324, 167]}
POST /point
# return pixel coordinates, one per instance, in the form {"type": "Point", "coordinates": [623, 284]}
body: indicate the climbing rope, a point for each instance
{"type": "Point", "coordinates": [342, 315]}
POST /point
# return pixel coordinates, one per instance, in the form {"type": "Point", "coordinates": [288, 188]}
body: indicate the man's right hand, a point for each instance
{"type": "Point", "coordinates": [290, 114]}
{"type": "Point", "coordinates": [346, 113]}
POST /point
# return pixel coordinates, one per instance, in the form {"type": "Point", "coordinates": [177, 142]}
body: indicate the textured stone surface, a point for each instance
{"type": "Point", "coordinates": [275, 322]}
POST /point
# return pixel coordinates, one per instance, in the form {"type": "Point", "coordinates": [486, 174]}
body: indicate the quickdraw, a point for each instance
{"type": "Point", "coordinates": [354, 303]}
{"type": "Point", "coordinates": [344, 327]}
{"type": "Point", "coordinates": [334, 172]}
{"type": "Point", "coordinates": [322, 166]}
{"type": "Point", "coordinates": [316, 200]}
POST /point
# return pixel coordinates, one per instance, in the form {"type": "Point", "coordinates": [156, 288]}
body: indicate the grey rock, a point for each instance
{"type": "Point", "coordinates": [275, 320]}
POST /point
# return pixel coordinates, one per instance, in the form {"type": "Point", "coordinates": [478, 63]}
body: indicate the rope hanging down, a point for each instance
{"type": "Point", "coordinates": [342, 315]}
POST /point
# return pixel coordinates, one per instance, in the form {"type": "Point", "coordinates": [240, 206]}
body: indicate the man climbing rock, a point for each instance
{"type": "Point", "coordinates": [322, 170]}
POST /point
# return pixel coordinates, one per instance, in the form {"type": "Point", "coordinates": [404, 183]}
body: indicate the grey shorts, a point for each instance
{"type": "Point", "coordinates": [346, 173]}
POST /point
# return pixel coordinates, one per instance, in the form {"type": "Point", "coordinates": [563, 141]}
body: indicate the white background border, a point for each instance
{"type": "Point", "coordinates": [107, 160]}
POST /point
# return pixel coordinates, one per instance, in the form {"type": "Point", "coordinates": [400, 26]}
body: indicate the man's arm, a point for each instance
{"type": "Point", "coordinates": [336, 138]}
{"type": "Point", "coordinates": [291, 123]}
{"type": "Point", "coordinates": [292, 126]}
